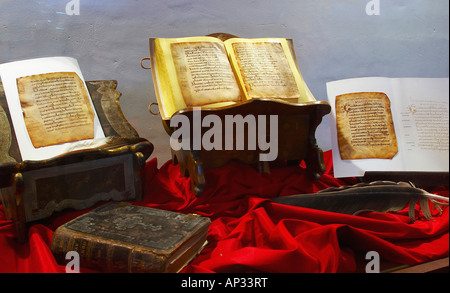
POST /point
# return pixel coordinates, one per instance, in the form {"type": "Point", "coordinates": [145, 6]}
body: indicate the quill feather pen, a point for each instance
{"type": "Point", "coordinates": [378, 196]}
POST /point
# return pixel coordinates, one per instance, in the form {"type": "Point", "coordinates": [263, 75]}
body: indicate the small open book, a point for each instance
{"type": "Point", "coordinates": [209, 72]}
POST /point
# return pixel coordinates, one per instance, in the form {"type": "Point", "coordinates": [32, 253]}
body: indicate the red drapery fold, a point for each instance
{"type": "Point", "coordinates": [250, 233]}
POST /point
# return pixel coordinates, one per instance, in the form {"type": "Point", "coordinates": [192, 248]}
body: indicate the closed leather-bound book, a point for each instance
{"type": "Point", "coordinates": [121, 237]}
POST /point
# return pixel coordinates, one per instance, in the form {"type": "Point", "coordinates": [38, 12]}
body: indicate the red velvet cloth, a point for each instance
{"type": "Point", "coordinates": [250, 233]}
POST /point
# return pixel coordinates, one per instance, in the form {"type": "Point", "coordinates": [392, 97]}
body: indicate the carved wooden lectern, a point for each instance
{"type": "Point", "coordinates": [296, 139]}
{"type": "Point", "coordinates": [32, 190]}
{"type": "Point", "coordinates": [296, 126]}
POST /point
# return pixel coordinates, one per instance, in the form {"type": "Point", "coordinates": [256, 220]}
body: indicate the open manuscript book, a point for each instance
{"type": "Point", "coordinates": [385, 124]}
{"type": "Point", "coordinates": [209, 72]}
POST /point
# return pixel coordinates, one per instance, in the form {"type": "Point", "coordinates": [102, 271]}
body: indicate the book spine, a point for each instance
{"type": "Point", "coordinates": [105, 256]}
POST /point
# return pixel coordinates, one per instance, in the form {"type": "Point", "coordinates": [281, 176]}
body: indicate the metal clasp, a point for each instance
{"type": "Point", "coordinates": [144, 59]}
{"type": "Point", "coordinates": [150, 108]}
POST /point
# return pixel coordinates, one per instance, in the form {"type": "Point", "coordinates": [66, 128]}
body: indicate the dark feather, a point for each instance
{"type": "Point", "coordinates": [378, 196]}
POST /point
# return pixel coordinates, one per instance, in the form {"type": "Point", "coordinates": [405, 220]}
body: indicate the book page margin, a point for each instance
{"type": "Point", "coordinates": [430, 89]}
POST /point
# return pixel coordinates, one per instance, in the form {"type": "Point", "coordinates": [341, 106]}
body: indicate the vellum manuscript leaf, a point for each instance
{"type": "Point", "coordinates": [365, 127]}
{"type": "Point", "coordinates": [56, 108]}
{"type": "Point", "coordinates": [204, 73]}
{"type": "Point", "coordinates": [265, 70]}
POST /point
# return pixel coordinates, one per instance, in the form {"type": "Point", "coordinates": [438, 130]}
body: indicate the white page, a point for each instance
{"type": "Point", "coordinates": [9, 72]}
{"type": "Point", "coordinates": [356, 168]}
{"type": "Point", "coordinates": [424, 111]}
{"type": "Point", "coordinates": [403, 93]}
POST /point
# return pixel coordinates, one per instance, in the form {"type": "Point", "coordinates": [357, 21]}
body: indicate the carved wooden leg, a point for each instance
{"type": "Point", "coordinates": [138, 167]}
{"type": "Point", "coordinates": [12, 200]}
{"type": "Point", "coordinates": [174, 158]}
{"type": "Point", "coordinates": [16, 209]}
{"type": "Point", "coordinates": [197, 173]}
{"type": "Point", "coordinates": [263, 168]}
{"type": "Point", "coordinates": [191, 166]}
{"type": "Point", "coordinates": [314, 161]}
{"type": "Point", "coordinates": [181, 159]}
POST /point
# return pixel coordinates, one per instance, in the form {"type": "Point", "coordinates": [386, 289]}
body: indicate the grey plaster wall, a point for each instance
{"type": "Point", "coordinates": [333, 40]}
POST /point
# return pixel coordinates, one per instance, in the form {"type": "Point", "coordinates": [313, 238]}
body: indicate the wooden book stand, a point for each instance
{"type": "Point", "coordinates": [296, 140]}
{"type": "Point", "coordinates": [297, 124]}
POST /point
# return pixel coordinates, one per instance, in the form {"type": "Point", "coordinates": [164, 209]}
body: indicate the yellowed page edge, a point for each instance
{"type": "Point", "coordinates": [168, 86]}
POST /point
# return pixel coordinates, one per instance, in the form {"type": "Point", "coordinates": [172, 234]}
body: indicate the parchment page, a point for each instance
{"type": "Point", "coordinates": [364, 126]}
{"type": "Point", "coordinates": [204, 73]}
{"type": "Point", "coordinates": [266, 69]}
{"type": "Point", "coordinates": [424, 119]}
{"type": "Point", "coordinates": [56, 108]}
{"type": "Point", "coordinates": [357, 167]}
{"type": "Point", "coordinates": [182, 80]}
{"type": "Point", "coordinates": [12, 71]}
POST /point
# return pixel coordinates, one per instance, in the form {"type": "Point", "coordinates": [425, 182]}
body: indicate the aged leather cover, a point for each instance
{"type": "Point", "coordinates": [121, 237]}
